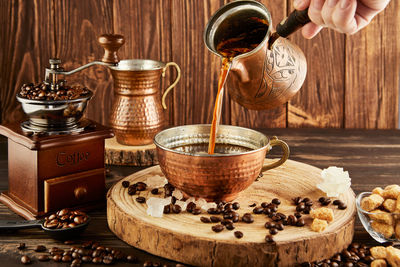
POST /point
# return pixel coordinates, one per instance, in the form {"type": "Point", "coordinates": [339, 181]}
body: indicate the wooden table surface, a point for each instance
{"type": "Point", "coordinates": [372, 158]}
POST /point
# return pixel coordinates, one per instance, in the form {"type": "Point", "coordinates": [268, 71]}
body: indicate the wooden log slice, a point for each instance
{"type": "Point", "coordinates": [118, 154]}
{"type": "Point", "coordinates": [182, 237]}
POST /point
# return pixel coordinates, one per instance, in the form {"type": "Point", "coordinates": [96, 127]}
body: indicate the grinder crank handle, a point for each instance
{"type": "Point", "coordinates": [16, 225]}
{"type": "Point", "coordinates": [111, 43]}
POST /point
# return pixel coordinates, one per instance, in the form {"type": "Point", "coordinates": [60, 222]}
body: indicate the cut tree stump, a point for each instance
{"type": "Point", "coordinates": [118, 154]}
{"type": "Point", "coordinates": [183, 238]}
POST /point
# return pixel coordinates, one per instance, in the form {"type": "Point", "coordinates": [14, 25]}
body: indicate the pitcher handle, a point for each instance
{"type": "Point", "coordinates": [178, 77]}
{"type": "Point", "coordinates": [286, 151]}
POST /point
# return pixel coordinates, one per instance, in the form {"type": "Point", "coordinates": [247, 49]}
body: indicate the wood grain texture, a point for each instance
{"type": "Point", "coordinates": [372, 73]}
{"type": "Point", "coordinates": [319, 103]}
{"type": "Point", "coordinates": [352, 82]}
{"type": "Point", "coordinates": [26, 38]}
{"type": "Point", "coordinates": [273, 118]}
{"type": "Point", "coordinates": [77, 27]}
{"type": "Point", "coordinates": [182, 237]}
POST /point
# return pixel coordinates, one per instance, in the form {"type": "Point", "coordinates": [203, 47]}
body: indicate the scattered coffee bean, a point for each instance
{"type": "Point", "coordinates": [57, 258]}
{"type": "Point", "coordinates": [300, 222]}
{"type": "Point", "coordinates": [326, 202]}
{"type": "Point", "coordinates": [217, 228]}
{"type": "Point", "coordinates": [69, 242]}
{"type": "Point", "coordinates": [196, 211]}
{"type": "Point", "coordinates": [97, 260]}
{"type": "Point", "coordinates": [140, 186]}
{"type": "Point", "coordinates": [269, 239]}
{"type": "Point", "coordinates": [258, 210]}
{"type": "Point", "coordinates": [228, 206]}
{"type": "Point", "coordinates": [300, 207]}
{"type": "Point", "coordinates": [107, 260]}
{"type": "Point", "coordinates": [141, 199]}
{"type": "Point", "coordinates": [322, 199]}
{"type": "Point", "coordinates": [125, 184]}
{"type": "Point", "coordinates": [238, 234]}
{"type": "Point", "coordinates": [336, 202]}
{"type": "Point", "coordinates": [297, 200]}
{"type": "Point", "coordinates": [86, 259]}
{"type": "Point", "coordinates": [236, 205]}
{"type": "Point", "coordinates": [148, 264]}
{"type": "Point", "coordinates": [279, 226]}
{"type": "Point", "coordinates": [273, 231]}
{"type": "Point", "coordinates": [297, 215]}
{"type": "Point", "coordinates": [76, 263]}
{"type": "Point", "coordinates": [66, 258]}
{"type": "Point", "coordinates": [252, 205]}
{"type": "Point", "coordinates": [269, 225]}
{"type": "Point", "coordinates": [205, 219]}
{"type": "Point", "coordinates": [230, 226]}
{"type": "Point", "coordinates": [154, 191]}
{"type": "Point", "coordinates": [132, 259]}
{"type": "Point", "coordinates": [247, 218]}
{"type": "Point", "coordinates": [342, 206]}
{"type": "Point", "coordinates": [43, 258]}
{"type": "Point", "coordinates": [25, 260]}
{"type": "Point", "coordinates": [215, 219]}
{"type": "Point", "coordinates": [276, 201]}
{"type": "Point", "coordinates": [40, 248]}
{"type": "Point", "coordinates": [21, 246]}
{"type": "Point", "coordinates": [191, 206]}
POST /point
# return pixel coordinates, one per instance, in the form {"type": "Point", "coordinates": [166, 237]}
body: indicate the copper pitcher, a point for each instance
{"type": "Point", "coordinates": [270, 74]}
{"type": "Point", "coordinates": [137, 113]}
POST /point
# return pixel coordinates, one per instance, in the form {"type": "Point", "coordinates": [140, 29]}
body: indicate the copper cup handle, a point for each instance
{"type": "Point", "coordinates": [286, 151]}
{"type": "Point", "coordinates": [178, 77]}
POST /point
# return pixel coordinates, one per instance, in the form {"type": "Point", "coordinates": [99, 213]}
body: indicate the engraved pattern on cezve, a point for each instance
{"type": "Point", "coordinates": [279, 70]}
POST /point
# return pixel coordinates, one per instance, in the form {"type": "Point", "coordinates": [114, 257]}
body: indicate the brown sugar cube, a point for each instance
{"type": "Point", "coordinates": [371, 202]}
{"type": "Point", "coordinates": [379, 263]}
{"type": "Point", "coordinates": [378, 252]}
{"type": "Point", "coordinates": [393, 256]}
{"type": "Point", "coordinates": [385, 229]}
{"type": "Point", "coordinates": [378, 191]}
{"type": "Point", "coordinates": [322, 214]}
{"type": "Point", "coordinates": [397, 230]}
{"type": "Point", "coordinates": [319, 225]}
{"type": "Point", "coordinates": [391, 191]}
{"type": "Point", "coordinates": [389, 204]}
{"type": "Point", "coordinates": [382, 216]}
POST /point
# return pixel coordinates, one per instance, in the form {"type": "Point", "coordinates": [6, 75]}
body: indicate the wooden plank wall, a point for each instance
{"type": "Point", "coordinates": [352, 81]}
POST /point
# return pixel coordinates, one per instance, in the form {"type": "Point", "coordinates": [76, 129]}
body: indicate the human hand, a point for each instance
{"type": "Point", "coordinates": [346, 16]}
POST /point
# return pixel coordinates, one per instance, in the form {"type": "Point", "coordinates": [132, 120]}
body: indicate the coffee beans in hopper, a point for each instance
{"type": "Point", "coordinates": [42, 91]}
{"type": "Point", "coordinates": [65, 219]}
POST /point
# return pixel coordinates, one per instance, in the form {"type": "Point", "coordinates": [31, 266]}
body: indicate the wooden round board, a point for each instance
{"type": "Point", "coordinates": [182, 237]}
{"type": "Point", "coordinates": [118, 154]}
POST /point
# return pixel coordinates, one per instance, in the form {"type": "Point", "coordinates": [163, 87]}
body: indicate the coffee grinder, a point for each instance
{"type": "Point", "coordinates": [56, 157]}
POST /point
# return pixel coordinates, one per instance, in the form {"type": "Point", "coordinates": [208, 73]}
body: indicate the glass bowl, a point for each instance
{"type": "Point", "coordinates": [376, 223]}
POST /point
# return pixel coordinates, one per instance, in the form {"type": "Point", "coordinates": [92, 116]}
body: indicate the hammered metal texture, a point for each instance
{"type": "Point", "coordinates": [183, 158]}
{"type": "Point", "coordinates": [137, 115]}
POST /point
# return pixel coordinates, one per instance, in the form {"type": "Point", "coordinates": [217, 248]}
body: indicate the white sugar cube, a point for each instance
{"type": "Point", "coordinates": [156, 181]}
{"type": "Point", "coordinates": [177, 194]}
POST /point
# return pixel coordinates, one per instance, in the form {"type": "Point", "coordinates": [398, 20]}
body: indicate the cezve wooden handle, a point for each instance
{"type": "Point", "coordinates": [293, 22]}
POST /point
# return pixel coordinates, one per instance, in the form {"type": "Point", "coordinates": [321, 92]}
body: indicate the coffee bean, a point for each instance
{"type": "Point", "coordinates": [25, 260]}
{"type": "Point", "coordinates": [70, 242]}
{"type": "Point", "coordinates": [269, 225]}
{"type": "Point", "coordinates": [154, 191]}
{"type": "Point", "coordinates": [269, 239]}
{"type": "Point", "coordinates": [279, 226]}
{"type": "Point", "coordinates": [173, 200]}
{"type": "Point", "coordinates": [267, 211]}
{"type": "Point", "coordinates": [300, 222]}
{"type": "Point", "coordinates": [107, 260]}
{"type": "Point", "coordinates": [230, 226]}
{"type": "Point", "coordinates": [307, 210]}
{"type": "Point", "coordinates": [292, 220]}
{"type": "Point", "coordinates": [40, 248]}
{"type": "Point", "coordinates": [334, 264]}
{"type": "Point", "coordinates": [141, 199]}
{"type": "Point", "coordinates": [300, 207]}
{"type": "Point", "coordinates": [336, 202]}
{"type": "Point", "coordinates": [140, 186]}
{"type": "Point", "coordinates": [66, 258]}
{"type": "Point", "coordinates": [176, 209]}
{"type": "Point", "coordinates": [308, 203]}
{"type": "Point", "coordinates": [285, 222]}
{"type": "Point", "coordinates": [131, 190]}
{"type": "Point", "coordinates": [235, 217]}
{"type": "Point", "coordinates": [97, 260]}
{"type": "Point", "coordinates": [369, 259]}
{"type": "Point", "coordinates": [238, 234]}
{"type": "Point", "coordinates": [196, 211]}
{"type": "Point", "coordinates": [205, 219]}
{"type": "Point", "coordinates": [125, 184]}
{"type": "Point", "coordinates": [258, 210]}
{"type": "Point", "coordinates": [75, 255]}
{"type": "Point", "coordinates": [297, 215]}
{"type": "Point", "coordinates": [226, 221]}
{"type": "Point", "coordinates": [97, 253]}
{"type": "Point", "coordinates": [326, 202]}
{"type": "Point", "coordinates": [228, 206]}
{"type": "Point", "coordinates": [132, 259]}
{"type": "Point", "coordinates": [86, 259]}
{"type": "Point", "coordinates": [297, 200]}
{"type": "Point", "coordinates": [247, 218]}
{"type": "Point", "coordinates": [276, 201]}
{"type": "Point", "coordinates": [57, 258]}
{"type": "Point", "coordinates": [217, 228]}
{"type": "Point", "coordinates": [21, 246]}
{"type": "Point", "coordinates": [342, 206]}
{"type": "Point", "coordinates": [236, 205]}
{"type": "Point", "coordinates": [276, 218]}
{"type": "Point", "coordinates": [348, 264]}
{"type": "Point", "coordinates": [148, 264]}
{"type": "Point", "coordinates": [43, 258]}
{"type": "Point", "coordinates": [209, 211]}
{"type": "Point", "coordinates": [252, 205]}
{"type": "Point", "coordinates": [228, 215]}
{"type": "Point", "coordinates": [167, 209]}
{"type": "Point", "coordinates": [273, 231]}
{"type": "Point", "coordinates": [322, 199]}
{"type": "Point", "coordinates": [215, 219]}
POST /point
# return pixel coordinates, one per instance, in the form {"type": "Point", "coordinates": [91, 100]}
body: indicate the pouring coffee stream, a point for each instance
{"type": "Point", "coordinates": [233, 43]}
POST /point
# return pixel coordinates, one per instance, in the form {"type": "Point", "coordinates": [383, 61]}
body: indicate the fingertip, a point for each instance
{"type": "Point", "coordinates": [310, 30]}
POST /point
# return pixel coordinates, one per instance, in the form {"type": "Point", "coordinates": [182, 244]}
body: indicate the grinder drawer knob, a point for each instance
{"type": "Point", "coordinates": [80, 193]}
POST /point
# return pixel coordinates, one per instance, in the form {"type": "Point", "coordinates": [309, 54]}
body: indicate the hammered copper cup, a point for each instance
{"type": "Point", "coordinates": [238, 159]}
